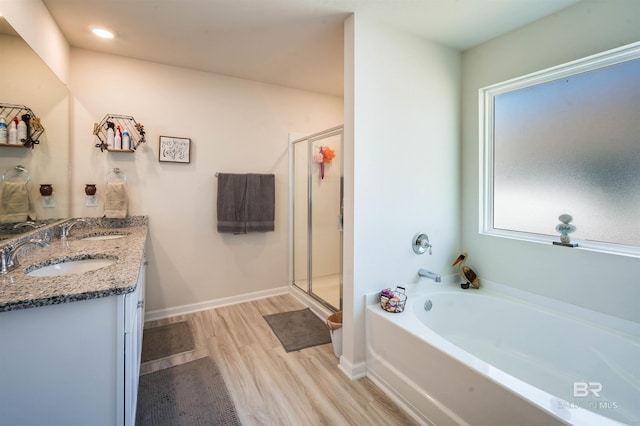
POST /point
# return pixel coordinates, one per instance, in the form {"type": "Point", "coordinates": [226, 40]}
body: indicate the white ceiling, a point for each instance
{"type": "Point", "coordinates": [294, 43]}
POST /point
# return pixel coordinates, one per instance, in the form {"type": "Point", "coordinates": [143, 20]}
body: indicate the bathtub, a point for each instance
{"type": "Point", "coordinates": [499, 356]}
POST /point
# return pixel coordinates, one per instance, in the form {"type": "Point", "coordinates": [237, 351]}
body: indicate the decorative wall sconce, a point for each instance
{"type": "Point", "coordinates": [90, 191]}
{"type": "Point", "coordinates": [46, 190]}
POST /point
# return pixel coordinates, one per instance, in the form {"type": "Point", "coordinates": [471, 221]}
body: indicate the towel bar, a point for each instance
{"type": "Point", "coordinates": [115, 175]}
{"type": "Point", "coordinates": [16, 172]}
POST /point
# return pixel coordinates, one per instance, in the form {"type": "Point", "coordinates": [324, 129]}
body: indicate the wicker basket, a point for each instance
{"type": "Point", "coordinates": [393, 300]}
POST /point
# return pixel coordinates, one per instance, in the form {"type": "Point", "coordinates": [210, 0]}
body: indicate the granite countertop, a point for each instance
{"type": "Point", "coordinates": [19, 291]}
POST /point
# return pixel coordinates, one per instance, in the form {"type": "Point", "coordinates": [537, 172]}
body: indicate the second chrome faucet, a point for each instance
{"type": "Point", "coordinates": [428, 274]}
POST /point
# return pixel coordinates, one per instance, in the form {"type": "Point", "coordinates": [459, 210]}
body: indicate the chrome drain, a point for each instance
{"type": "Point", "coordinates": [428, 305]}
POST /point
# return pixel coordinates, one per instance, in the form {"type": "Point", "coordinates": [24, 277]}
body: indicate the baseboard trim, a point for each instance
{"type": "Point", "coordinates": [316, 307]}
{"type": "Point", "coordinates": [212, 304]}
{"type": "Point", "coordinates": [352, 371]}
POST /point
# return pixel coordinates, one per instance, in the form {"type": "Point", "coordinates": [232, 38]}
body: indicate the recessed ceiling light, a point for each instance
{"type": "Point", "coordinates": [101, 32]}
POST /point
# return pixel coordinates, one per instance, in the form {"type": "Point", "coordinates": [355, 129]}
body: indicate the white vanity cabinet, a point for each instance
{"type": "Point", "coordinates": [75, 363]}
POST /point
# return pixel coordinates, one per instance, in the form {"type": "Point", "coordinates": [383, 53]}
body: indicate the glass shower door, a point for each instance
{"type": "Point", "coordinates": [317, 221]}
{"type": "Point", "coordinates": [326, 241]}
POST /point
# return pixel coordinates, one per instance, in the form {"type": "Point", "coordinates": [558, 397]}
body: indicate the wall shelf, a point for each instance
{"type": "Point", "coordinates": [136, 132]}
{"type": "Point", "coordinates": [34, 128]}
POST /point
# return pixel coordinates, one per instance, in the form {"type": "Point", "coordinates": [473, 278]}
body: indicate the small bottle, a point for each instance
{"type": "Point", "coordinates": [13, 132]}
{"type": "Point", "coordinates": [126, 139]}
{"type": "Point", "coordinates": [110, 136]}
{"type": "Point", "coordinates": [117, 142]}
{"type": "Point", "coordinates": [22, 131]}
{"type": "Point", "coordinates": [3, 130]}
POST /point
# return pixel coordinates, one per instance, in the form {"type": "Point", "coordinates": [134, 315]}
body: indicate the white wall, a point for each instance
{"type": "Point", "coordinates": [605, 283]}
{"type": "Point", "coordinates": [401, 165]}
{"type": "Point", "coordinates": [31, 19]}
{"type": "Point", "coordinates": [235, 126]}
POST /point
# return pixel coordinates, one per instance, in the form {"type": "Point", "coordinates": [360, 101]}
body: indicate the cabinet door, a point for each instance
{"type": "Point", "coordinates": [58, 364]}
{"type": "Point", "coordinates": [134, 322]}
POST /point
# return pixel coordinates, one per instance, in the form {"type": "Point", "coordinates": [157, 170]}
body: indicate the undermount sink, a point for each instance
{"type": "Point", "coordinates": [103, 237]}
{"type": "Point", "coordinates": [72, 267]}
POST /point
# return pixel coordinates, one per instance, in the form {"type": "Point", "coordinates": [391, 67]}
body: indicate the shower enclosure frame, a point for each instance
{"type": "Point", "coordinates": [309, 140]}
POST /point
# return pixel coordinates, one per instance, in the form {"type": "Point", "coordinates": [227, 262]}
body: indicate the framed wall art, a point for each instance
{"type": "Point", "coordinates": [175, 150]}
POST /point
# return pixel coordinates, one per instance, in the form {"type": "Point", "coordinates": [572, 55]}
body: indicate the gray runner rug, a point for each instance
{"type": "Point", "coordinates": [166, 340]}
{"type": "Point", "coordinates": [299, 329]}
{"type": "Point", "coordinates": [191, 394]}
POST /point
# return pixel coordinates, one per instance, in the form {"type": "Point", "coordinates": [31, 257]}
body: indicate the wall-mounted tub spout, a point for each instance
{"type": "Point", "coordinates": [428, 274]}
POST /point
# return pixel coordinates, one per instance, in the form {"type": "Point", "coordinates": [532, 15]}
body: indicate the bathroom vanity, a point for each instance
{"type": "Point", "coordinates": [70, 341]}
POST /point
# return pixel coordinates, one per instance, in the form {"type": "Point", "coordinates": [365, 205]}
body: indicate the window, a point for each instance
{"type": "Point", "coordinates": [566, 140]}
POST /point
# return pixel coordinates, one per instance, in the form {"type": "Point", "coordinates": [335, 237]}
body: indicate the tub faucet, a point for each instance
{"type": "Point", "coordinates": [65, 228]}
{"type": "Point", "coordinates": [428, 274]}
{"type": "Point", "coordinates": [8, 255]}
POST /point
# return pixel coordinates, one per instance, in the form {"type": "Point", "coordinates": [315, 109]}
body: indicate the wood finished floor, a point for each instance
{"type": "Point", "coordinates": [272, 387]}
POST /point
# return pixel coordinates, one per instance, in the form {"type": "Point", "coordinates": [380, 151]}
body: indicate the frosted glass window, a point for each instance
{"type": "Point", "coordinates": [569, 145]}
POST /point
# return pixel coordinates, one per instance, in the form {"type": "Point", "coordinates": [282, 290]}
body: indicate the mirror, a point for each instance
{"type": "Point", "coordinates": [26, 80]}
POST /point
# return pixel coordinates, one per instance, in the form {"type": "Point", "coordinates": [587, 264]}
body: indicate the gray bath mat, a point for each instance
{"type": "Point", "coordinates": [166, 340]}
{"type": "Point", "coordinates": [299, 329]}
{"type": "Point", "coordinates": [188, 394]}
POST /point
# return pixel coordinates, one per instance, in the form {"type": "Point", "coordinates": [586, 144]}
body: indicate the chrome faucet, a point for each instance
{"type": "Point", "coordinates": [65, 228]}
{"type": "Point", "coordinates": [8, 255]}
{"type": "Point", "coordinates": [28, 223]}
{"type": "Point", "coordinates": [428, 274]}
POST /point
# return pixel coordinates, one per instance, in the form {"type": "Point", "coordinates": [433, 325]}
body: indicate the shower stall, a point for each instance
{"type": "Point", "coordinates": [316, 211]}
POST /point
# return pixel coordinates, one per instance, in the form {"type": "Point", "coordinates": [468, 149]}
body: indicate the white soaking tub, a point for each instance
{"type": "Point", "coordinates": [499, 356]}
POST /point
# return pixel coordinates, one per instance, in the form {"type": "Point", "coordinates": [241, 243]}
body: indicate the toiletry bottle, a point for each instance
{"type": "Point", "coordinates": [110, 135]}
{"type": "Point", "coordinates": [22, 131]}
{"type": "Point", "coordinates": [118, 139]}
{"type": "Point", "coordinates": [126, 139]}
{"type": "Point", "coordinates": [13, 132]}
{"type": "Point", "coordinates": [3, 130]}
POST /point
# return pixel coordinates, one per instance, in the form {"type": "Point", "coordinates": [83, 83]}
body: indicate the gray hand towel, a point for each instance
{"type": "Point", "coordinates": [260, 203]}
{"type": "Point", "coordinates": [246, 203]}
{"type": "Point", "coordinates": [231, 195]}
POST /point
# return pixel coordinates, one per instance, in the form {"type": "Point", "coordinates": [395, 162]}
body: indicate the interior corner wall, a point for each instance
{"type": "Point", "coordinates": [404, 159]}
{"type": "Point", "coordinates": [235, 126]}
{"type": "Point", "coordinates": [598, 281]}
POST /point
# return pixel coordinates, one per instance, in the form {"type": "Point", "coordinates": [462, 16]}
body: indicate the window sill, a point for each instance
{"type": "Point", "coordinates": [593, 246]}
